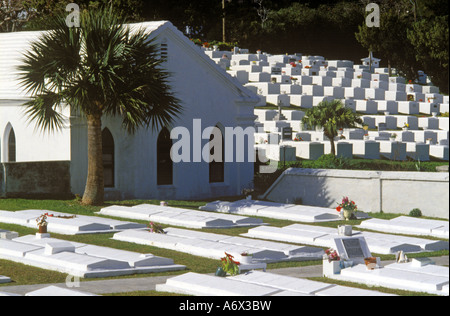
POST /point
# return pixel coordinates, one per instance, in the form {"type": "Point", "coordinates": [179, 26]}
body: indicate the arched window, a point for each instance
{"type": "Point", "coordinates": [217, 152]}
{"type": "Point", "coordinates": [108, 158]}
{"type": "Point", "coordinates": [164, 161]}
{"type": "Point", "coordinates": [12, 146]}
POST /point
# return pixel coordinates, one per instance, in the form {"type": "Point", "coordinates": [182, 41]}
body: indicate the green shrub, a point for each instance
{"type": "Point", "coordinates": [328, 162]}
{"type": "Point", "coordinates": [415, 213]}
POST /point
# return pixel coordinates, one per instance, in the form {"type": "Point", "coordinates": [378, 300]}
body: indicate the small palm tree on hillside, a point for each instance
{"type": "Point", "coordinates": [331, 116]}
{"type": "Point", "coordinates": [100, 68]}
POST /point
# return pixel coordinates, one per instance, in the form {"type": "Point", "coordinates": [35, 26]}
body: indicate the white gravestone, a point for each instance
{"type": "Point", "coordinates": [352, 248]}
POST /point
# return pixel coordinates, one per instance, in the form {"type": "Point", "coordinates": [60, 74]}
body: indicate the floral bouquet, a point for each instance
{"type": "Point", "coordinates": [332, 255]}
{"type": "Point", "coordinates": [348, 206]}
{"type": "Point", "coordinates": [155, 228]}
{"type": "Point", "coordinates": [42, 220]}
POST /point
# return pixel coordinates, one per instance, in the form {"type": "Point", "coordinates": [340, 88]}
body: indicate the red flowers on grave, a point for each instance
{"type": "Point", "coordinates": [229, 265]}
{"type": "Point", "coordinates": [293, 64]}
{"type": "Point", "coordinates": [332, 255]}
{"type": "Point", "coordinates": [41, 221]}
{"type": "Point", "coordinates": [348, 206]}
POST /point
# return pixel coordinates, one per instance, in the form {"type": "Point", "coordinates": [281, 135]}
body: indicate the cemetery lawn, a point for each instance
{"type": "Point", "coordinates": [26, 275]}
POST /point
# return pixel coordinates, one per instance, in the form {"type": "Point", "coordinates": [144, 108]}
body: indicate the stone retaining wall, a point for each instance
{"type": "Point", "coordinates": [50, 179]}
{"type": "Point", "coordinates": [373, 191]}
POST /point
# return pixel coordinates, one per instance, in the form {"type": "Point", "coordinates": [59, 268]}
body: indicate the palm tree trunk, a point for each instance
{"type": "Point", "coordinates": [333, 147]}
{"type": "Point", "coordinates": [94, 191]}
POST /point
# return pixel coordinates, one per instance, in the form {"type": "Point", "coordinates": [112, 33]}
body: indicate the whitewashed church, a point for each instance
{"type": "Point", "coordinates": [136, 166]}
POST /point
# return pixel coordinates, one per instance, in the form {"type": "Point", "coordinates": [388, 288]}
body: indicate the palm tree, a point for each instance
{"type": "Point", "coordinates": [331, 116]}
{"type": "Point", "coordinates": [101, 68]}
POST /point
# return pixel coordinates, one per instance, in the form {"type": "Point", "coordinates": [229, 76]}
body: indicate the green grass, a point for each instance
{"type": "Point", "coordinates": [26, 275]}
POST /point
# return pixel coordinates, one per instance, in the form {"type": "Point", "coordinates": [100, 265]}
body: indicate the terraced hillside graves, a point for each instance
{"type": "Point", "coordinates": [416, 113]}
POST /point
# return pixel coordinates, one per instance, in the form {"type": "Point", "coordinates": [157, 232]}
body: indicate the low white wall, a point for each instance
{"type": "Point", "coordinates": [373, 191]}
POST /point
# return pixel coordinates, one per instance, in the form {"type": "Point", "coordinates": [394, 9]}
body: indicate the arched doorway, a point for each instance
{"type": "Point", "coordinates": [164, 161]}
{"type": "Point", "coordinates": [108, 158]}
{"type": "Point", "coordinates": [217, 152]}
{"type": "Point", "coordinates": [10, 145]}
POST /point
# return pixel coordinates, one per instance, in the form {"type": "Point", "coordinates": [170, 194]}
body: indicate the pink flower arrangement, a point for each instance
{"type": "Point", "coordinates": [346, 204]}
{"type": "Point", "coordinates": [332, 255]}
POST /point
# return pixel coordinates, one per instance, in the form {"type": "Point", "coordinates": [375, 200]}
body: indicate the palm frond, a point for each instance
{"type": "Point", "coordinates": [100, 68]}
{"type": "Point", "coordinates": [43, 111]}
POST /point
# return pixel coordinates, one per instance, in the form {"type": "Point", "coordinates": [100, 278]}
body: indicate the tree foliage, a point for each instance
{"type": "Point", "coordinates": [430, 41]}
{"type": "Point", "coordinates": [331, 116]}
{"type": "Point", "coordinates": [101, 68]}
{"type": "Point", "coordinates": [320, 27]}
{"type": "Point", "coordinates": [411, 38]}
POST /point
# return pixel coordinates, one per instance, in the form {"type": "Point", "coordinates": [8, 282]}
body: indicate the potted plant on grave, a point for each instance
{"type": "Point", "coordinates": [229, 266]}
{"type": "Point", "coordinates": [42, 223]}
{"type": "Point", "coordinates": [371, 263]}
{"type": "Point", "coordinates": [393, 137]}
{"type": "Point", "coordinates": [406, 127]}
{"type": "Point", "coordinates": [348, 207]}
{"type": "Point", "coordinates": [366, 132]}
{"type": "Point", "coordinates": [331, 262]}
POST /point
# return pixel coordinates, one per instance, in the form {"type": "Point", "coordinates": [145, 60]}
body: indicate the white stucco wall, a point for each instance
{"type": "Point", "coordinates": [206, 91]}
{"type": "Point", "coordinates": [32, 144]}
{"type": "Point", "coordinates": [205, 94]}
{"type": "Point", "coordinates": [373, 191]}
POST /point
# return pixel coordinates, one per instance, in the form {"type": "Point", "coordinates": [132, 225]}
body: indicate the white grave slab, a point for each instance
{"type": "Point", "coordinates": [180, 217]}
{"type": "Point", "coordinates": [324, 237]}
{"type": "Point", "coordinates": [409, 226]}
{"type": "Point", "coordinates": [61, 223]}
{"type": "Point", "coordinates": [281, 282]}
{"type": "Point", "coordinates": [396, 277]}
{"type": "Point", "coordinates": [51, 291]}
{"type": "Point", "coordinates": [255, 283]}
{"type": "Point", "coordinates": [81, 260]}
{"type": "Point", "coordinates": [303, 213]}
{"type": "Point", "coordinates": [214, 245]}
{"type": "Point", "coordinates": [57, 291]}
{"type": "Point", "coordinates": [206, 285]}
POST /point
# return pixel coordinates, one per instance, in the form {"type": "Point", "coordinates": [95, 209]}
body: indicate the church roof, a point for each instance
{"type": "Point", "coordinates": [14, 45]}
